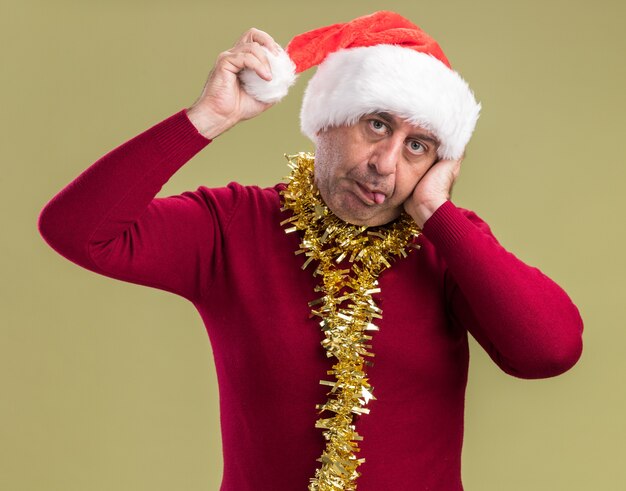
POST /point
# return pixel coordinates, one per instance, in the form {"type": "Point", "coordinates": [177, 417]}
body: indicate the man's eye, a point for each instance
{"type": "Point", "coordinates": [377, 126]}
{"type": "Point", "coordinates": [416, 147]}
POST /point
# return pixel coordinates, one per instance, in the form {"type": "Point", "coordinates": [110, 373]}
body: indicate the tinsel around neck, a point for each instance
{"type": "Point", "coordinates": [346, 308]}
{"type": "Point", "coordinates": [311, 215]}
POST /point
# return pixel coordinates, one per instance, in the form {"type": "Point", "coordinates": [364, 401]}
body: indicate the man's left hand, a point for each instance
{"type": "Point", "coordinates": [432, 190]}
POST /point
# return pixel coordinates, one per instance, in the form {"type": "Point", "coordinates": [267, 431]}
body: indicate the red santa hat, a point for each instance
{"type": "Point", "coordinates": [376, 63]}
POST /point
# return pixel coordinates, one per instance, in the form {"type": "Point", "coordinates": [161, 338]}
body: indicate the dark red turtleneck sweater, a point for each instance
{"type": "Point", "coordinates": [224, 250]}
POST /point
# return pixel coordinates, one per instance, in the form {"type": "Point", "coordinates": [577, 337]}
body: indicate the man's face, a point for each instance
{"type": "Point", "coordinates": [365, 172]}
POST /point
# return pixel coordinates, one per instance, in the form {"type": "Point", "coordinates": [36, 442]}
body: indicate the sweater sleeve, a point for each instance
{"type": "Point", "coordinates": [527, 324]}
{"type": "Point", "coordinates": [108, 220]}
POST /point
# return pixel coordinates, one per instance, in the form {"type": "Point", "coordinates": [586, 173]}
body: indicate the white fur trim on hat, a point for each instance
{"type": "Point", "coordinates": [283, 77]}
{"type": "Point", "coordinates": [415, 86]}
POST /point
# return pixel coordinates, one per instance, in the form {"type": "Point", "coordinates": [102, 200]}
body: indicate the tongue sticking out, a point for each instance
{"type": "Point", "coordinates": [378, 198]}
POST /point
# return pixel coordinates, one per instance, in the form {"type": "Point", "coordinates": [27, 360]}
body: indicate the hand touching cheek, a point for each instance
{"type": "Point", "coordinates": [432, 190]}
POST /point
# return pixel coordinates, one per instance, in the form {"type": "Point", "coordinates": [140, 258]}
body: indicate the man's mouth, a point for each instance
{"type": "Point", "coordinates": [371, 196]}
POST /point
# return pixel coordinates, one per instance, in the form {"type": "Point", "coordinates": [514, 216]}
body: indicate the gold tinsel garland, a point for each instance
{"type": "Point", "coordinates": [346, 309]}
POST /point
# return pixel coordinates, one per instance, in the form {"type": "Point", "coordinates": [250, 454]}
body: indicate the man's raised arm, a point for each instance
{"type": "Point", "coordinates": [108, 220]}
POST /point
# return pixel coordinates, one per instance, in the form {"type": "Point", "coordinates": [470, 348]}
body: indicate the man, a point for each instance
{"type": "Point", "coordinates": [385, 264]}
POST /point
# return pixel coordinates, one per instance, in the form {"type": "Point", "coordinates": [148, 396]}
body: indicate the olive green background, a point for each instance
{"type": "Point", "coordinates": [111, 386]}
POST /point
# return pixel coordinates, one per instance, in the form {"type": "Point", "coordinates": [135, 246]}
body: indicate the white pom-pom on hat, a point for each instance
{"type": "Point", "coordinates": [283, 76]}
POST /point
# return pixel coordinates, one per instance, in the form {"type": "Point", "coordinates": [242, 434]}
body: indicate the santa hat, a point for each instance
{"type": "Point", "coordinates": [376, 63]}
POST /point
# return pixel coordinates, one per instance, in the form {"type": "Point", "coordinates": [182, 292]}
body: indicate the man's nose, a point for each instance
{"type": "Point", "coordinates": [386, 155]}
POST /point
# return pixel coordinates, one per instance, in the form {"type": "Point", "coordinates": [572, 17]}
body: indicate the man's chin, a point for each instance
{"type": "Point", "coordinates": [349, 207]}
{"type": "Point", "coordinates": [370, 220]}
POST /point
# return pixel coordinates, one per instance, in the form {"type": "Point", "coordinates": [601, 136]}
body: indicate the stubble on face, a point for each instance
{"type": "Point", "coordinates": [366, 171]}
{"type": "Point", "coordinates": [341, 166]}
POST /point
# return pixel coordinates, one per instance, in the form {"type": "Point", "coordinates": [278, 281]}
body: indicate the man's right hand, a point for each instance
{"type": "Point", "coordinates": [224, 102]}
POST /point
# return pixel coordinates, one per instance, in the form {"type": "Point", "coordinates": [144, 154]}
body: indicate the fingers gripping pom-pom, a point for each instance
{"type": "Point", "coordinates": [283, 77]}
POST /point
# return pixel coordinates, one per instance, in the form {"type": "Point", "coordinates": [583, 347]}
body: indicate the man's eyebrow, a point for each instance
{"type": "Point", "coordinates": [424, 136]}
{"type": "Point", "coordinates": [386, 116]}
